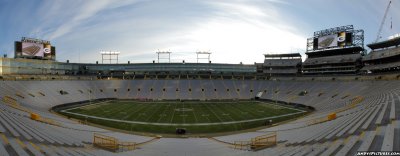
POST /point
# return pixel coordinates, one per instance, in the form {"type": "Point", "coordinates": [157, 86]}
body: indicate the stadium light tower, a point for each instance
{"type": "Point", "coordinates": [168, 53]}
{"type": "Point", "coordinates": [110, 56]}
{"type": "Point", "coordinates": [203, 53]}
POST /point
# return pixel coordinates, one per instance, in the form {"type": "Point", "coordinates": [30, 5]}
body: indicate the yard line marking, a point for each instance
{"type": "Point", "coordinates": [202, 112]}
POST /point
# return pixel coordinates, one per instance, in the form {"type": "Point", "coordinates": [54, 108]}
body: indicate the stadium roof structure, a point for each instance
{"type": "Point", "coordinates": [328, 52]}
{"type": "Point", "coordinates": [384, 44]}
{"type": "Point", "coordinates": [283, 55]}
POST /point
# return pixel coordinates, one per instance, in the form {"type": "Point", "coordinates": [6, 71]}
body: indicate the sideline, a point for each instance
{"type": "Point", "coordinates": [183, 124]}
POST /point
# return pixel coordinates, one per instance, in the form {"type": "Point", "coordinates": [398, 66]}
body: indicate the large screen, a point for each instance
{"type": "Point", "coordinates": [34, 48]}
{"type": "Point", "coordinates": [331, 41]}
{"type": "Point", "coordinates": [327, 41]}
{"type": "Point", "coordinates": [342, 37]}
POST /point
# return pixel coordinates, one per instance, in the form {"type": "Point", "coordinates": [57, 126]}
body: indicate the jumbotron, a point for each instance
{"type": "Point", "coordinates": [341, 100]}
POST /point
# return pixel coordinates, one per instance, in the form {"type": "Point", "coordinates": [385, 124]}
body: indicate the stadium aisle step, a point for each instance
{"type": "Point", "coordinates": [348, 144]}
{"type": "Point", "coordinates": [3, 150]}
{"type": "Point", "coordinates": [81, 151]}
{"type": "Point", "coordinates": [16, 126]}
{"type": "Point", "coordinates": [368, 122]}
{"type": "Point", "coordinates": [296, 150]}
{"type": "Point", "coordinates": [8, 126]}
{"type": "Point", "coordinates": [89, 151]}
{"type": "Point", "coordinates": [67, 137]}
{"type": "Point", "coordinates": [336, 144]}
{"type": "Point", "coordinates": [393, 108]}
{"type": "Point", "coordinates": [321, 130]}
{"type": "Point", "coordinates": [33, 125]}
{"type": "Point", "coordinates": [47, 150]}
{"type": "Point", "coordinates": [17, 147]}
{"type": "Point", "coordinates": [70, 151]}
{"type": "Point", "coordinates": [22, 122]}
{"type": "Point", "coordinates": [378, 141]}
{"type": "Point", "coordinates": [337, 124]}
{"type": "Point", "coordinates": [32, 149]}
{"type": "Point", "coordinates": [382, 113]}
{"type": "Point", "coordinates": [367, 141]}
{"type": "Point", "coordinates": [360, 122]}
{"type": "Point", "coordinates": [288, 150]}
{"type": "Point", "coordinates": [277, 149]}
{"type": "Point", "coordinates": [59, 151]}
{"type": "Point", "coordinates": [354, 122]}
{"type": "Point", "coordinates": [50, 134]}
{"type": "Point", "coordinates": [388, 138]}
{"type": "Point", "coordinates": [397, 106]}
{"type": "Point", "coordinates": [396, 143]}
{"type": "Point", "coordinates": [343, 125]}
{"type": "Point", "coordinates": [306, 149]}
{"type": "Point", "coordinates": [99, 152]}
{"type": "Point", "coordinates": [2, 129]}
{"type": "Point", "coordinates": [318, 149]}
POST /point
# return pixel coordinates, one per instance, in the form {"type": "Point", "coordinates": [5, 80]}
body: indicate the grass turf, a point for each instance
{"type": "Point", "coordinates": [177, 113]}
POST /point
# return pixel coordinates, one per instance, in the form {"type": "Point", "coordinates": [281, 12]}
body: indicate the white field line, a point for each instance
{"type": "Point", "coordinates": [83, 107]}
{"type": "Point", "coordinates": [173, 124]}
{"type": "Point", "coordinates": [185, 124]}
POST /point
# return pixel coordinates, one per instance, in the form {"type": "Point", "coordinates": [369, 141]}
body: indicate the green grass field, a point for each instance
{"type": "Point", "coordinates": [195, 116]}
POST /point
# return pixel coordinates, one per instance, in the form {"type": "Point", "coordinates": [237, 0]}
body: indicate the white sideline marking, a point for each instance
{"type": "Point", "coordinates": [185, 124]}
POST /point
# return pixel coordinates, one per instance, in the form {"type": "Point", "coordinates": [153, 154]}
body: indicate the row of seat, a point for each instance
{"type": "Point", "coordinates": [376, 117]}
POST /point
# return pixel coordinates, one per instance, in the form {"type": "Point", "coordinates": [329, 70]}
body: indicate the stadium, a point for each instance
{"type": "Point", "coordinates": [344, 98]}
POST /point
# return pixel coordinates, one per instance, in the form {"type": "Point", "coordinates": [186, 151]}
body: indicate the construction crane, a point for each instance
{"type": "Point", "coordinates": [383, 21]}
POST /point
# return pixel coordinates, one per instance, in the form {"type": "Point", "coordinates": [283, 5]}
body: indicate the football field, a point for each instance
{"type": "Point", "coordinates": [195, 116]}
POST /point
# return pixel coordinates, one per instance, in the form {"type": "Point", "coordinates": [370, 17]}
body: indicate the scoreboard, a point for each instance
{"type": "Point", "coordinates": [335, 38]}
{"type": "Point", "coordinates": [35, 49]}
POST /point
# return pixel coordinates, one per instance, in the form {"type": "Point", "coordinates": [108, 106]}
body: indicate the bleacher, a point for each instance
{"type": "Point", "coordinates": [370, 124]}
{"type": "Point", "coordinates": [379, 54]}
{"type": "Point", "coordinates": [350, 58]}
{"type": "Point", "coordinates": [282, 64]}
{"type": "Point", "coordinates": [384, 57]}
{"type": "Point", "coordinates": [332, 64]}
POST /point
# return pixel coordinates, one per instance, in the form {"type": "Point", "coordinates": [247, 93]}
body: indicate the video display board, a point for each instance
{"type": "Point", "coordinates": [34, 48]}
{"type": "Point", "coordinates": [340, 39]}
{"type": "Point", "coordinates": [327, 41]}
{"type": "Point", "coordinates": [336, 38]}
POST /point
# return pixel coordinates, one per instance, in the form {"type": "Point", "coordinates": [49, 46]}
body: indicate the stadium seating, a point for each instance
{"type": "Point", "coordinates": [281, 62]}
{"type": "Point", "coordinates": [332, 59]}
{"type": "Point", "coordinates": [369, 124]}
{"type": "Point", "coordinates": [382, 54]}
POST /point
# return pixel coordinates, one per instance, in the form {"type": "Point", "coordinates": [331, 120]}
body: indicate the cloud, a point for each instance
{"type": "Point", "coordinates": [88, 9]}
{"type": "Point", "coordinates": [242, 32]}
{"type": "Point", "coordinates": [83, 11]}
{"type": "Point", "coordinates": [238, 30]}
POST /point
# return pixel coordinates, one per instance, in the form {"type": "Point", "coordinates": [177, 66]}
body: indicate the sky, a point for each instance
{"type": "Point", "coordinates": [232, 30]}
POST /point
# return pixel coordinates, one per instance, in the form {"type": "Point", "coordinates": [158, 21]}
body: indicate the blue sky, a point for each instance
{"type": "Point", "coordinates": [233, 30]}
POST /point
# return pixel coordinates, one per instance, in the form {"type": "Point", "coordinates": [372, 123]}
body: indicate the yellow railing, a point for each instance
{"type": "Point", "coordinates": [263, 141]}
{"type": "Point", "coordinates": [111, 143]}
{"type": "Point", "coordinates": [126, 146]}
{"type": "Point", "coordinates": [257, 143]}
{"type": "Point", "coordinates": [353, 102]}
{"type": "Point", "coordinates": [14, 104]}
{"type": "Point", "coordinates": [242, 145]}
